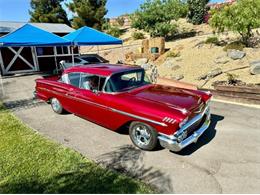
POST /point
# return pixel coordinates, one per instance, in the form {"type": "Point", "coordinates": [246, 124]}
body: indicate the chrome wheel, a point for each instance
{"type": "Point", "coordinates": [142, 136]}
{"type": "Point", "coordinates": [56, 106]}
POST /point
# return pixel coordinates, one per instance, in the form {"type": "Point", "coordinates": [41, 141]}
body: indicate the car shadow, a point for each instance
{"type": "Point", "coordinates": [205, 138]}
{"type": "Point", "coordinates": [129, 160]}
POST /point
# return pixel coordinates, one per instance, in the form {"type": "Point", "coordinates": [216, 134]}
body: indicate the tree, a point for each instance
{"type": "Point", "coordinates": [49, 11]}
{"type": "Point", "coordinates": [156, 16]}
{"type": "Point", "coordinates": [197, 10]}
{"type": "Point", "coordinates": [240, 17]}
{"type": "Point", "coordinates": [88, 13]}
{"type": "Point", "coordinates": [120, 21]}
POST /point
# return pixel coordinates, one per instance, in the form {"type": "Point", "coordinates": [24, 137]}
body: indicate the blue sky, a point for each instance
{"type": "Point", "coordinates": [17, 10]}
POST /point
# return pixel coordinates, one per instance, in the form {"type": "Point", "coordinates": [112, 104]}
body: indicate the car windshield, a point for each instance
{"type": "Point", "coordinates": [126, 80]}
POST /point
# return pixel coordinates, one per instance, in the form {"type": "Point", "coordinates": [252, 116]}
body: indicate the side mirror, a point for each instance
{"type": "Point", "coordinates": [95, 91]}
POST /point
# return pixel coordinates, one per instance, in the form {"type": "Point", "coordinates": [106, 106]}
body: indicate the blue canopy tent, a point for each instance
{"type": "Point", "coordinates": [29, 35]}
{"type": "Point", "coordinates": [88, 36]}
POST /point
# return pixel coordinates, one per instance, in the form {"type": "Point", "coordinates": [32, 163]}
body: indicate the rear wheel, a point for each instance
{"type": "Point", "coordinates": [56, 106]}
{"type": "Point", "coordinates": [143, 136]}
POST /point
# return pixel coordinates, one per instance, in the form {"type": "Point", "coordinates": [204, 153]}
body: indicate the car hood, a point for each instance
{"type": "Point", "coordinates": [176, 98]}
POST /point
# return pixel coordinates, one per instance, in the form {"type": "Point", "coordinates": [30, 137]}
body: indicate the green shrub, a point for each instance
{"type": "Point", "coordinates": [232, 78]}
{"type": "Point", "coordinates": [212, 40]}
{"type": "Point", "coordinates": [138, 35]}
{"type": "Point", "coordinates": [237, 45]}
{"type": "Point", "coordinates": [241, 17]}
{"type": "Point", "coordinates": [155, 16]}
{"type": "Point", "coordinates": [114, 31]}
{"type": "Point", "coordinates": [173, 54]}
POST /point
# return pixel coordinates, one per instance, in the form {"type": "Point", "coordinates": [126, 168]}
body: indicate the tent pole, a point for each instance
{"type": "Point", "coordinates": [72, 55]}
{"type": "Point", "coordinates": [2, 86]}
{"type": "Point", "coordinates": [98, 49]}
{"type": "Point", "coordinates": [123, 52]}
{"type": "Point", "coordinates": [55, 55]}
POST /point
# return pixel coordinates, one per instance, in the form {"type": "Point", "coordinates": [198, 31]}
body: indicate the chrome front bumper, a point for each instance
{"type": "Point", "coordinates": [171, 143]}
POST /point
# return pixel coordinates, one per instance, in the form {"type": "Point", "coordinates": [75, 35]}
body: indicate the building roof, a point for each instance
{"type": "Point", "coordinates": [102, 69]}
{"type": "Point", "coordinates": [89, 36]}
{"type": "Point", "coordinates": [9, 26]}
{"type": "Point", "coordinates": [29, 35]}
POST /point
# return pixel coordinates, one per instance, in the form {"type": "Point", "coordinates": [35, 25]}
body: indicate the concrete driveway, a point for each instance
{"type": "Point", "coordinates": [226, 158]}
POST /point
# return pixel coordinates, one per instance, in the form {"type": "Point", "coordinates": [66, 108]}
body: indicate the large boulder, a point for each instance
{"type": "Point", "coordinates": [235, 54]}
{"type": "Point", "coordinates": [255, 67]}
{"type": "Point", "coordinates": [141, 61]}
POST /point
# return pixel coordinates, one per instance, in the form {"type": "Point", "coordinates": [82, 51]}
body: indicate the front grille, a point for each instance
{"type": "Point", "coordinates": [190, 130]}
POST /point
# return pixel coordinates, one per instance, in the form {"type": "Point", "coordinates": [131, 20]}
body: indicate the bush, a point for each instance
{"type": "Point", "coordinates": [155, 16]}
{"type": "Point", "coordinates": [232, 79]}
{"type": "Point", "coordinates": [173, 54]}
{"type": "Point", "coordinates": [114, 31]}
{"type": "Point", "coordinates": [240, 17]}
{"type": "Point", "coordinates": [212, 40]}
{"type": "Point", "coordinates": [237, 45]}
{"type": "Point", "coordinates": [138, 35]}
{"type": "Point", "coordinates": [197, 11]}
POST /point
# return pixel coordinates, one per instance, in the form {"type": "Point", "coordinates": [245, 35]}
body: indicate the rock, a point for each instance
{"type": "Point", "coordinates": [168, 63]}
{"type": "Point", "coordinates": [177, 77]}
{"type": "Point", "coordinates": [210, 74]}
{"type": "Point", "coordinates": [202, 77]}
{"type": "Point", "coordinates": [175, 67]}
{"type": "Point", "coordinates": [255, 67]}
{"type": "Point", "coordinates": [146, 66]}
{"type": "Point", "coordinates": [214, 73]}
{"type": "Point", "coordinates": [141, 61]}
{"type": "Point", "coordinates": [235, 54]}
{"type": "Point", "coordinates": [178, 59]}
{"type": "Point", "coordinates": [221, 60]}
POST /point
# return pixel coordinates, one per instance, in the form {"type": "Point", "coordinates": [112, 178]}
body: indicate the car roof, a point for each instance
{"type": "Point", "coordinates": [102, 69]}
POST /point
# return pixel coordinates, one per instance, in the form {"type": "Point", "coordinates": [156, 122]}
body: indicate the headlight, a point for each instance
{"type": "Point", "coordinates": [183, 122]}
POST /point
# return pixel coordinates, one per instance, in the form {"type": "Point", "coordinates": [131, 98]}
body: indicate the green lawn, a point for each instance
{"type": "Point", "coordinates": [30, 163]}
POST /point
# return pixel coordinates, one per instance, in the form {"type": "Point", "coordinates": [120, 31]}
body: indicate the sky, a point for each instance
{"type": "Point", "coordinates": [17, 10]}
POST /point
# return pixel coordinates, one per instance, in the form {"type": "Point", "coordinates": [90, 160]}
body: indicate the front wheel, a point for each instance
{"type": "Point", "coordinates": [143, 136]}
{"type": "Point", "coordinates": [56, 106]}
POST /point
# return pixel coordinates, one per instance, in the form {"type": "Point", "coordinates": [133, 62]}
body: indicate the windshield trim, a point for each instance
{"type": "Point", "coordinates": [118, 92]}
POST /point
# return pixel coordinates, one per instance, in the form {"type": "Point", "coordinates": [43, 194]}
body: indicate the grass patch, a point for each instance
{"type": "Point", "coordinates": [137, 35]}
{"type": "Point", "coordinates": [30, 163]}
{"type": "Point", "coordinates": [173, 54]}
{"type": "Point", "coordinates": [237, 45]}
{"type": "Point", "coordinates": [212, 40]}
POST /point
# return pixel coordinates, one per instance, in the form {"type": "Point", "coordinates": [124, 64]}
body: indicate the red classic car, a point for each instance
{"type": "Point", "coordinates": [117, 96]}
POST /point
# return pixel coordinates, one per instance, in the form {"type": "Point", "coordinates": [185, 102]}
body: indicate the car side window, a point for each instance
{"type": "Point", "coordinates": [65, 78]}
{"type": "Point", "coordinates": [74, 79]}
{"type": "Point", "coordinates": [91, 82]}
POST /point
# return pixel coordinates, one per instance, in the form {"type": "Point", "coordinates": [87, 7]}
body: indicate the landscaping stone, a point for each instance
{"type": "Point", "coordinates": [255, 67]}
{"type": "Point", "coordinates": [235, 54]}
{"type": "Point", "coordinates": [221, 60]}
{"type": "Point", "coordinates": [210, 74]}
{"type": "Point", "coordinates": [141, 61]}
{"type": "Point", "coordinates": [175, 67]}
{"type": "Point", "coordinates": [177, 77]}
{"type": "Point", "coordinates": [169, 62]}
{"type": "Point", "coordinates": [214, 73]}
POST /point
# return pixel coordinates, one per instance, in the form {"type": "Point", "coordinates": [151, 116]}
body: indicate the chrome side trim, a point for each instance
{"type": "Point", "coordinates": [138, 117]}
{"type": "Point", "coordinates": [106, 107]}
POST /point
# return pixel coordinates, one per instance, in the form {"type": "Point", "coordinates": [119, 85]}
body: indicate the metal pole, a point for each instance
{"type": "Point", "coordinates": [72, 55]}
{"type": "Point", "coordinates": [2, 85]}
{"type": "Point", "coordinates": [123, 53]}
{"type": "Point", "coordinates": [55, 55]}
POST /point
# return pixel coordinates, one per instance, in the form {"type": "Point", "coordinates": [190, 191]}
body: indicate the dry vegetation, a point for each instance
{"type": "Point", "coordinates": [196, 58]}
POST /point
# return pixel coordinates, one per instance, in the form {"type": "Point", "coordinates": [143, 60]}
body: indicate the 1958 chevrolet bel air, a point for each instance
{"type": "Point", "coordinates": [116, 96]}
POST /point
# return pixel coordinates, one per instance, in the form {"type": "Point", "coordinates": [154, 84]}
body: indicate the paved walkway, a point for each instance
{"type": "Point", "coordinates": [226, 158]}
